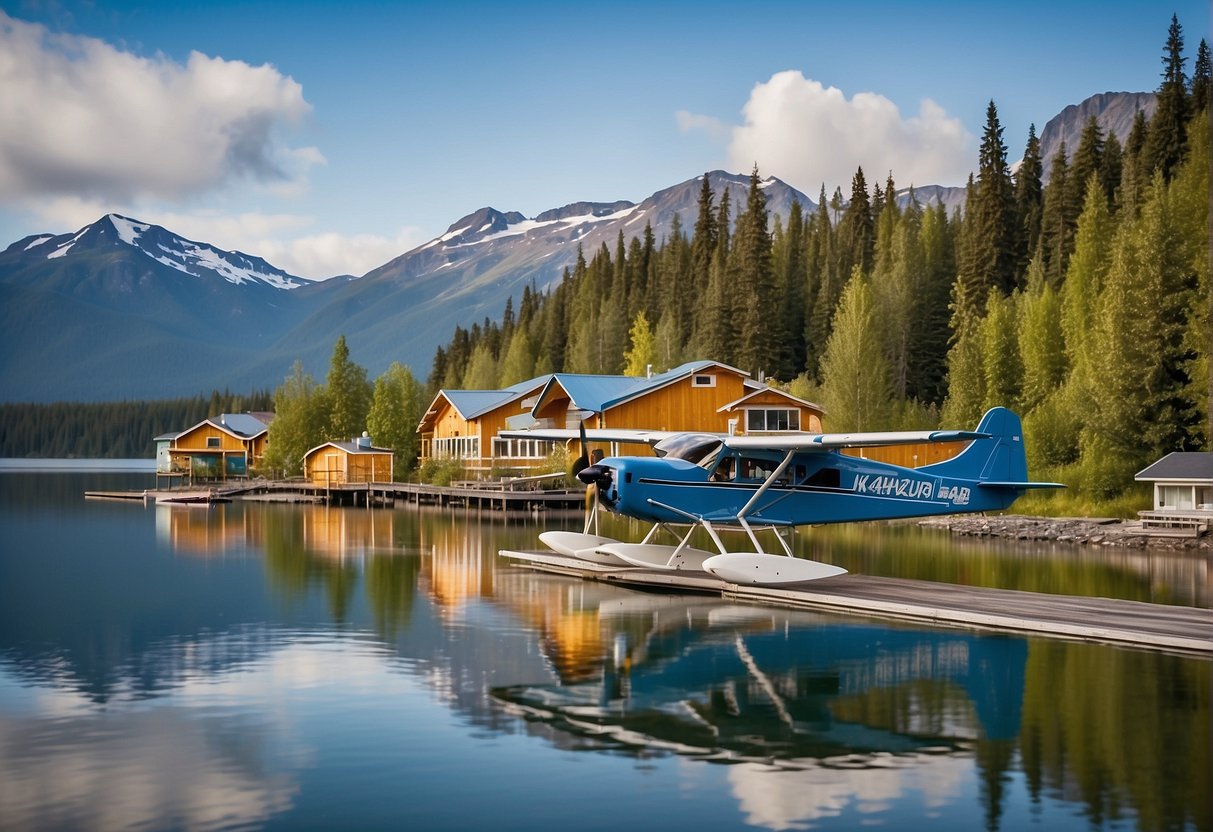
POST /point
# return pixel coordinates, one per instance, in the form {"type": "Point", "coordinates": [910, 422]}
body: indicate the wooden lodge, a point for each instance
{"type": "Point", "coordinates": [347, 463]}
{"type": "Point", "coordinates": [219, 448]}
{"type": "Point", "coordinates": [698, 396]}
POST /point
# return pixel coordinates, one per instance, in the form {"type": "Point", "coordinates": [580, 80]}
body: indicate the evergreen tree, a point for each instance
{"type": "Point", "coordinates": [348, 395]}
{"type": "Point", "coordinates": [856, 230]}
{"type": "Point", "coordinates": [1168, 129]}
{"type": "Point", "coordinates": [1201, 80]}
{"type": "Point", "coordinates": [1134, 166]}
{"type": "Point", "coordinates": [931, 333]}
{"type": "Point", "coordinates": [1029, 201]}
{"type": "Point", "coordinates": [994, 255]}
{"type": "Point", "coordinates": [855, 388]}
{"type": "Point", "coordinates": [822, 288]}
{"type": "Point", "coordinates": [759, 319]}
{"type": "Point", "coordinates": [1087, 161]}
{"type": "Point", "coordinates": [1085, 277]}
{"type": "Point", "coordinates": [396, 409]}
{"type": "Point", "coordinates": [1041, 344]}
{"type": "Point", "coordinates": [1112, 167]}
{"type": "Point", "coordinates": [1002, 364]}
{"type": "Point", "coordinates": [792, 278]}
{"type": "Point", "coordinates": [1057, 218]}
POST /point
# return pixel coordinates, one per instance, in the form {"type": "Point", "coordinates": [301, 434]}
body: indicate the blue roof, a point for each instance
{"type": "Point", "coordinates": [241, 423]}
{"type": "Point", "coordinates": [599, 393]}
{"type": "Point", "coordinates": [473, 403]}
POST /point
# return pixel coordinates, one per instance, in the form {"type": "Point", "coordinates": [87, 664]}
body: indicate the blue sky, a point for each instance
{"type": "Point", "coordinates": [330, 137]}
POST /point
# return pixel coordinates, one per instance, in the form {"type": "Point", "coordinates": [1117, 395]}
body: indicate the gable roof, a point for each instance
{"type": "Point", "coordinates": [1179, 465]}
{"type": "Point", "coordinates": [601, 392]}
{"type": "Point", "coordinates": [470, 404]}
{"type": "Point", "coordinates": [350, 448]}
{"type": "Point", "coordinates": [767, 389]}
{"type": "Point", "coordinates": [239, 425]}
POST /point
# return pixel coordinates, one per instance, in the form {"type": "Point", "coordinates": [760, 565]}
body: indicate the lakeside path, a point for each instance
{"type": "Point", "coordinates": [1091, 531]}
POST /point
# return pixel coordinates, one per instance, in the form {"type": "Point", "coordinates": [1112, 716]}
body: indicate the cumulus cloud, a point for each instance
{"type": "Point", "coordinates": [808, 134]}
{"type": "Point", "coordinates": [80, 118]}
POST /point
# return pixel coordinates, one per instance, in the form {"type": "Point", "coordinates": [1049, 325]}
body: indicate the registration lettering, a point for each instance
{"type": "Point", "coordinates": [893, 487]}
{"type": "Point", "coordinates": [910, 489]}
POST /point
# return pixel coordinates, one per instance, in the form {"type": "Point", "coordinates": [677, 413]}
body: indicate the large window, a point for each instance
{"type": "Point", "coordinates": [521, 448]}
{"type": "Point", "coordinates": [460, 447]}
{"type": "Point", "coordinates": [1176, 496]}
{"type": "Point", "coordinates": [772, 419]}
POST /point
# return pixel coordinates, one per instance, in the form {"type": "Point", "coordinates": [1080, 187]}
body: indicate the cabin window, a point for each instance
{"type": "Point", "coordinates": [703, 381]}
{"type": "Point", "coordinates": [1175, 496]}
{"type": "Point", "coordinates": [772, 419]}
{"type": "Point", "coordinates": [521, 448]}
{"type": "Point", "coordinates": [213, 442]}
{"type": "Point", "coordinates": [825, 478]}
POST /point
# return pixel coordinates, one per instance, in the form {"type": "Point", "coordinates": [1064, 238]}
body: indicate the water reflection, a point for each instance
{"type": "Point", "coordinates": [250, 665]}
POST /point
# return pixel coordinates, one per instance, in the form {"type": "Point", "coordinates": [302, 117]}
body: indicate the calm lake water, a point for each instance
{"type": "Point", "coordinates": [277, 666]}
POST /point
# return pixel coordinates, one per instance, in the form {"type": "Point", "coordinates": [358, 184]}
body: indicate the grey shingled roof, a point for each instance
{"type": "Point", "coordinates": [1180, 465]}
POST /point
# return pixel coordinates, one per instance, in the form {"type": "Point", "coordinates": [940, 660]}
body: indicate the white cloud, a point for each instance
{"type": "Point", "coordinates": [808, 134]}
{"type": "Point", "coordinates": [329, 254]}
{"type": "Point", "coordinates": [82, 119]}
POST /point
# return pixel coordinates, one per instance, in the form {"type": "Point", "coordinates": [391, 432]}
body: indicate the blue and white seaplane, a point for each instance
{"type": "Point", "coordinates": [719, 482]}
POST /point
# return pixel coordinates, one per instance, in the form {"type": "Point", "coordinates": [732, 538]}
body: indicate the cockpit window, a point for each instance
{"type": "Point", "coordinates": [691, 447]}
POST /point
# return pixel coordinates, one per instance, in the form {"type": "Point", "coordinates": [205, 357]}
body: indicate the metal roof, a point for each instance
{"type": "Point", "coordinates": [473, 403]}
{"type": "Point", "coordinates": [351, 447]}
{"type": "Point", "coordinates": [244, 424]}
{"type": "Point", "coordinates": [1180, 465]}
{"type": "Point", "coordinates": [602, 392]}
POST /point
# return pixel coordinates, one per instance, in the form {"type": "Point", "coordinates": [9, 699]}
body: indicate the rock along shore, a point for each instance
{"type": "Point", "coordinates": [1086, 531]}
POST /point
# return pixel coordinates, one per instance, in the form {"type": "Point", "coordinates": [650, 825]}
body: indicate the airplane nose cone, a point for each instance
{"type": "Point", "coordinates": [599, 475]}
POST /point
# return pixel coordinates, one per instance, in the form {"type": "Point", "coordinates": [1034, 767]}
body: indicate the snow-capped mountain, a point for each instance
{"type": "Point", "coordinates": [164, 247]}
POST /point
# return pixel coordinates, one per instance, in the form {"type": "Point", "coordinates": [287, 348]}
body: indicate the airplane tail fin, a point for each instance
{"type": "Point", "coordinates": [998, 461]}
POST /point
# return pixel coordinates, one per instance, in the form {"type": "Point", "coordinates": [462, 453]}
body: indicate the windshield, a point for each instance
{"type": "Point", "coordinates": [691, 447]}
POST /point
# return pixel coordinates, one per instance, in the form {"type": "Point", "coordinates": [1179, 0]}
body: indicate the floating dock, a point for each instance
{"type": "Point", "coordinates": [1175, 629]}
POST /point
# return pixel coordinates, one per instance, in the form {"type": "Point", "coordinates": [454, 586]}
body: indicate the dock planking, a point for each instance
{"type": "Point", "coordinates": [1127, 623]}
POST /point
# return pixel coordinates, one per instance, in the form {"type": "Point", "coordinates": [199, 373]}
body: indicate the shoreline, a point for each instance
{"type": "Point", "coordinates": [1082, 531]}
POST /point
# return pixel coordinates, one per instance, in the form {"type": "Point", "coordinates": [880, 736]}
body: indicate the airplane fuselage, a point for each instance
{"type": "Point", "coordinates": [813, 488]}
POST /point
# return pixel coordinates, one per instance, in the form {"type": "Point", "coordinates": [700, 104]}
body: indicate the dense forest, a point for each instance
{"type": "Point", "coordinates": [110, 430]}
{"type": "Point", "coordinates": [1081, 300]}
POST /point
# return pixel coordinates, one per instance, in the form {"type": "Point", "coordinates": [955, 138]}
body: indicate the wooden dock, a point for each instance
{"type": "Point", "coordinates": [500, 496]}
{"type": "Point", "coordinates": [1187, 630]}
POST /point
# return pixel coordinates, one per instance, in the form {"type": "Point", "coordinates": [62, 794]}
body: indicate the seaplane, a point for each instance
{"type": "Point", "coordinates": [751, 483]}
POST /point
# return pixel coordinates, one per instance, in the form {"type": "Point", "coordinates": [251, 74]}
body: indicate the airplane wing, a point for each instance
{"type": "Point", "coordinates": [622, 435]}
{"type": "Point", "coordinates": [832, 441]}
{"type": "Point", "coordinates": [771, 442]}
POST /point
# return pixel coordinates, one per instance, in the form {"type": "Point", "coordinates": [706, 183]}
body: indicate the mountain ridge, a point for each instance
{"type": "Point", "coordinates": [140, 312]}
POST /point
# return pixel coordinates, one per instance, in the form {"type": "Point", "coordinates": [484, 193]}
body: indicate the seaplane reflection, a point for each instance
{"type": "Point", "coordinates": [784, 688]}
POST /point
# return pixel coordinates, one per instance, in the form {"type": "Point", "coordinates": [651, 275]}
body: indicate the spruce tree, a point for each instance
{"type": "Point", "coordinates": [1056, 231]}
{"type": "Point", "coordinates": [856, 231]}
{"type": "Point", "coordinates": [1029, 202]}
{"type": "Point", "coordinates": [759, 321]}
{"type": "Point", "coordinates": [994, 256]}
{"type": "Point", "coordinates": [1168, 129]}
{"type": "Point", "coordinates": [1002, 364]}
{"type": "Point", "coordinates": [1201, 80]}
{"type": "Point", "coordinates": [1041, 345]}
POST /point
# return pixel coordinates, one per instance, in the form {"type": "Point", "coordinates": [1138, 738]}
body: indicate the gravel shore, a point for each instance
{"type": "Point", "coordinates": [1086, 531]}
